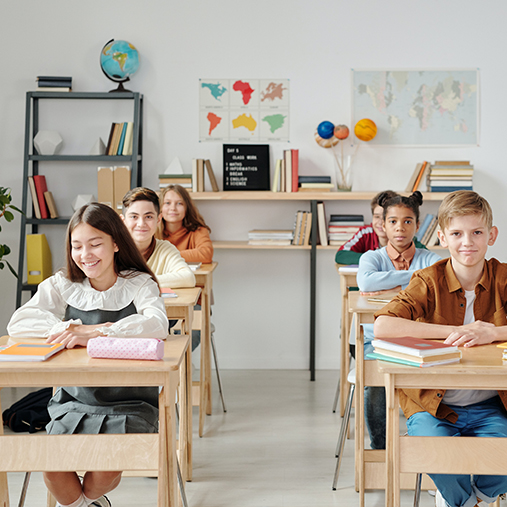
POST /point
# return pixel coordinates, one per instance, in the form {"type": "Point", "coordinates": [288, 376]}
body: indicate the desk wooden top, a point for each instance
{"type": "Point", "coordinates": [361, 304]}
{"type": "Point", "coordinates": [206, 269]}
{"type": "Point", "coordinates": [76, 361]}
{"type": "Point", "coordinates": [186, 297]}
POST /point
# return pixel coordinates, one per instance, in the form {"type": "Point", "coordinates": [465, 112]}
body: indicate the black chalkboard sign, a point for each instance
{"type": "Point", "coordinates": [246, 167]}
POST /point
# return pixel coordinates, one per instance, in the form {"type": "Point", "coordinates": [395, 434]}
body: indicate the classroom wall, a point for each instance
{"type": "Point", "coordinates": [262, 297]}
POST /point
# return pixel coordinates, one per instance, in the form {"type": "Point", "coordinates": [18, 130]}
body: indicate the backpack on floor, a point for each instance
{"type": "Point", "coordinates": [30, 413]}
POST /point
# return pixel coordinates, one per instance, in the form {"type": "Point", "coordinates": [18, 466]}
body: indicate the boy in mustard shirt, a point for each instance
{"type": "Point", "coordinates": [462, 299]}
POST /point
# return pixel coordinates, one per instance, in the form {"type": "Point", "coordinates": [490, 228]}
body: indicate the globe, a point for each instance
{"type": "Point", "coordinates": [119, 60]}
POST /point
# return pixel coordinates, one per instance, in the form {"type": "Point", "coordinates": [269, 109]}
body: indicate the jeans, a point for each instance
{"type": "Point", "coordinates": [375, 409]}
{"type": "Point", "coordinates": [485, 419]}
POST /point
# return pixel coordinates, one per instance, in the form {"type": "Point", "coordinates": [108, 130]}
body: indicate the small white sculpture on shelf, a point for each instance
{"type": "Point", "coordinates": [48, 142]}
{"type": "Point", "coordinates": [81, 200]}
{"type": "Point", "coordinates": [99, 148]}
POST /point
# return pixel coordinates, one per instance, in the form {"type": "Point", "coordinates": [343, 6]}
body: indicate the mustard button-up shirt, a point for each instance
{"type": "Point", "coordinates": [434, 295]}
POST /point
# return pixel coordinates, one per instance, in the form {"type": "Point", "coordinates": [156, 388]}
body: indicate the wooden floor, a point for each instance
{"type": "Point", "coordinates": [273, 448]}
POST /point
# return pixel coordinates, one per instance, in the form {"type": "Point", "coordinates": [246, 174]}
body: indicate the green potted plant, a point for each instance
{"type": "Point", "coordinates": [5, 205]}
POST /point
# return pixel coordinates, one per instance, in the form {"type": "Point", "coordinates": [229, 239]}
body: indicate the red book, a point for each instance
{"type": "Point", "coordinates": [41, 187]}
{"type": "Point", "coordinates": [419, 347]}
{"type": "Point", "coordinates": [295, 170]}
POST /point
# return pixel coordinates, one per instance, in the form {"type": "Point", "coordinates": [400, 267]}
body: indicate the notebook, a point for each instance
{"type": "Point", "coordinates": [30, 351]}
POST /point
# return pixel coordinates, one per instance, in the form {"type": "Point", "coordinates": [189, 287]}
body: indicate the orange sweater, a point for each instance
{"type": "Point", "coordinates": [194, 246]}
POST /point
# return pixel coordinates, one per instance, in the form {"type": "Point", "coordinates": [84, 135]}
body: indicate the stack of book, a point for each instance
{"type": "Point", "coordinates": [428, 231]}
{"type": "Point", "coordinates": [198, 165]}
{"type": "Point", "coordinates": [302, 228]}
{"type": "Point", "coordinates": [342, 227]}
{"type": "Point", "coordinates": [270, 237]}
{"type": "Point", "coordinates": [315, 184]}
{"type": "Point", "coordinates": [414, 351]}
{"type": "Point", "coordinates": [43, 202]}
{"type": "Point", "coordinates": [184, 180]}
{"type": "Point", "coordinates": [121, 136]}
{"type": "Point", "coordinates": [54, 84]}
{"type": "Point", "coordinates": [450, 175]}
{"type": "Point", "coordinates": [286, 174]}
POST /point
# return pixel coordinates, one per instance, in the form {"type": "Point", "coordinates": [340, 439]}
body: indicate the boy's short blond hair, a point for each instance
{"type": "Point", "coordinates": [462, 203]}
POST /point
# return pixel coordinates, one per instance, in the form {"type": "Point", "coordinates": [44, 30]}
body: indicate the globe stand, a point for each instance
{"type": "Point", "coordinates": [121, 88]}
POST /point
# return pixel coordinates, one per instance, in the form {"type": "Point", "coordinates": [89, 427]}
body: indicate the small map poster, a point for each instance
{"type": "Point", "coordinates": [246, 167]}
{"type": "Point", "coordinates": [418, 107]}
{"type": "Point", "coordinates": [244, 110]}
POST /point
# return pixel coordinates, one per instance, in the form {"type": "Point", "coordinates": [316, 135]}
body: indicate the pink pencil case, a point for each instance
{"type": "Point", "coordinates": [126, 348]}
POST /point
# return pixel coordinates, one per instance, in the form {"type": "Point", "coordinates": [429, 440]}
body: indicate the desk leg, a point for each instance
{"type": "Point", "coordinates": [359, 416]}
{"type": "Point", "coordinates": [392, 444]}
{"type": "Point", "coordinates": [207, 334]}
{"type": "Point", "coordinates": [167, 474]}
{"type": "Point", "coordinates": [344, 340]}
{"type": "Point", "coordinates": [205, 367]}
{"type": "Point", "coordinates": [4, 489]}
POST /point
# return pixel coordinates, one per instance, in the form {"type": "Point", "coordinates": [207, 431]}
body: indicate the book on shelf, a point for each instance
{"type": "Point", "coordinates": [413, 178]}
{"type": "Point", "coordinates": [194, 175]}
{"type": "Point", "coordinates": [295, 169]}
{"type": "Point", "coordinates": [52, 89]}
{"type": "Point", "coordinates": [275, 237]}
{"type": "Point", "coordinates": [452, 162]}
{"type": "Point", "coordinates": [282, 175]}
{"type": "Point", "coordinates": [275, 185]}
{"type": "Point", "coordinates": [429, 231]}
{"type": "Point", "coordinates": [30, 351]}
{"type": "Point", "coordinates": [112, 145]}
{"type": "Point", "coordinates": [452, 188]}
{"type": "Point", "coordinates": [35, 200]}
{"type": "Point", "coordinates": [287, 156]}
{"type": "Point", "coordinates": [316, 185]}
{"type": "Point", "coordinates": [433, 239]}
{"type": "Point", "coordinates": [211, 176]}
{"type": "Point", "coordinates": [357, 219]}
{"type": "Point", "coordinates": [110, 138]}
{"type": "Point", "coordinates": [122, 138]}
{"type": "Point", "coordinates": [54, 83]}
{"type": "Point", "coordinates": [39, 263]}
{"type": "Point", "coordinates": [315, 189]}
{"type": "Point", "coordinates": [424, 226]}
{"type": "Point", "coordinates": [314, 179]}
{"type": "Point", "coordinates": [184, 180]}
{"type": "Point", "coordinates": [50, 202]}
{"type": "Point", "coordinates": [297, 227]}
{"type": "Point", "coordinates": [420, 177]}
{"type": "Point", "coordinates": [41, 187]}
{"type": "Point", "coordinates": [322, 226]}
{"type": "Point", "coordinates": [129, 139]}
{"type": "Point", "coordinates": [308, 228]}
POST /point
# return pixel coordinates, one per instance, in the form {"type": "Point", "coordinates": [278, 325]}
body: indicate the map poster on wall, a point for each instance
{"type": "Point", "coordinates": [246, 167]}
{"type": "Point", "coordinates": [244, 110]}
{"type": "Point", "coordinates": [418, 107]}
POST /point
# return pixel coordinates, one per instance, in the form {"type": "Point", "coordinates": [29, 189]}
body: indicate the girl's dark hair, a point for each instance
{"type": "Point", "coordinates": [103, 218]}
{"type": "Point", "coordinates": [412, 202]}
{"type": "Point", "coordinates": [193, 219]}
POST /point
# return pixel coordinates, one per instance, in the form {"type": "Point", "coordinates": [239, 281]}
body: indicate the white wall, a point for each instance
{"type": "Point", "coordinates": [262, 297]}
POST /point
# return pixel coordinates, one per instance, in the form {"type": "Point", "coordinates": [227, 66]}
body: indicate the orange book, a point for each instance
{"type": "Point", "coordinates": [420, 176]}
{"type": "Point", "coordinates": [30, 351]}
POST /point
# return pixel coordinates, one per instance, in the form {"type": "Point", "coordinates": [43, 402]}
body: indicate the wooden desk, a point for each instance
{"type": "Point", "coordinates": [129, 452]}
{"type": "Point", "coordinates": [204, 279]}
{"type": "Point", "coordinates": [480, 368]}
{"type": "Point", "coordinates": [182, 308]}
{"type": "Point", "coordinates": [370, 463]}
{"type": "Point", "coordinates": [347, 279]}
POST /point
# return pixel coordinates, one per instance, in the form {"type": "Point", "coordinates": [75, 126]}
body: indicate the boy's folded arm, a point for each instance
{"type": "Point", "coordinates": [397, 327]}
{"type": "Point", "coordinates": [477, 333]}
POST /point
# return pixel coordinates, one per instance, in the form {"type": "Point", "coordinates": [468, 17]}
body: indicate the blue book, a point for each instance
{"type": "Point", "coordinates": [424, 226]}
{"type": "Point", "coordinates": [450, 189]}
{"type": "Point", "coordinates": [122, 139]}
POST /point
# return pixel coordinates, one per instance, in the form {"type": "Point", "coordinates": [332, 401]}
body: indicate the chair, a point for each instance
{"type": "Point", "coordinates": [351, 379]}
{"type": "Point", "coordinates": [215, 358]}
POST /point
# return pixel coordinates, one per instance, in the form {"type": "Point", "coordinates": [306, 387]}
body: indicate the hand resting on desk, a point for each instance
{"type": "Point", "coordinates": [476, 333]}
{"type": "Point", "coordinates": [381, 292]}
{"type": "Point", "coordinates": [77, 335]}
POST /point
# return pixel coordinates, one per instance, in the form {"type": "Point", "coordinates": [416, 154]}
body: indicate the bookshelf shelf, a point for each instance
{"type": "Point", "coordinates": [30, 224]}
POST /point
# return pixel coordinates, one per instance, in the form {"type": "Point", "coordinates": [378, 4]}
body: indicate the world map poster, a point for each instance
{"type": "Point", "coordinates": [418, 107]}
{"type": "Point", "coordinates": [244, 110]}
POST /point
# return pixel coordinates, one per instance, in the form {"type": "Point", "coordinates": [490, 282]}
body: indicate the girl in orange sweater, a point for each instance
{"type": "Point", "coordinates": [183, 225]}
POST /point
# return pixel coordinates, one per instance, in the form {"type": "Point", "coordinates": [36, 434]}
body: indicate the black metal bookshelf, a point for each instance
{"type": "Point", "coordinates": [30, 224]}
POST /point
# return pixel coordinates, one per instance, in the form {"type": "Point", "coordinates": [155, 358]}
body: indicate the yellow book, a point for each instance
{"type": "Point", "coordinates": [38, 258]}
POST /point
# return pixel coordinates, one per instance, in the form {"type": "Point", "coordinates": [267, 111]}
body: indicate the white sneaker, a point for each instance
{"type": "Point", "coordinates": [439, 500]}
{"type": "Point", "coordinates": [103, 501]}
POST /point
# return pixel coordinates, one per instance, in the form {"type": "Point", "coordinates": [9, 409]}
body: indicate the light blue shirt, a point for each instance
{"type": "Point", "coordinates": [377, 272]}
